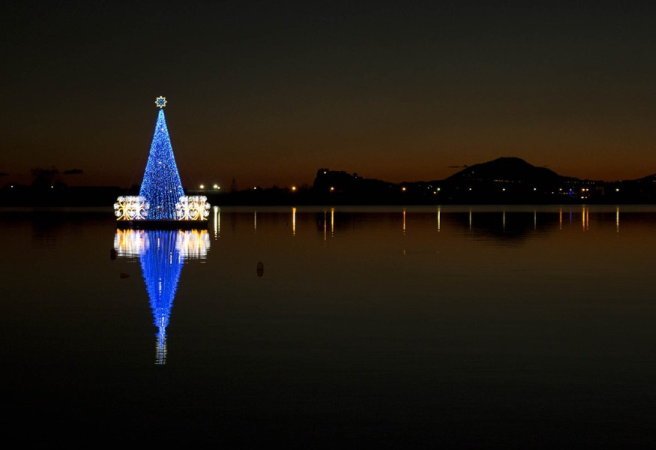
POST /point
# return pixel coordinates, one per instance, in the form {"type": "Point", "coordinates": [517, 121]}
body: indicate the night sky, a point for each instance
{"type": "Point", "coordinates": [268, 92]}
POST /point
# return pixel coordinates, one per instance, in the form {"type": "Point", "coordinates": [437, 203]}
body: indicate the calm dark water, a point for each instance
{"type": "Point", "coordinates": [513, 327]}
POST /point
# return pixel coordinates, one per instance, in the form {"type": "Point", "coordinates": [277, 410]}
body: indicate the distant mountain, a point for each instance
{"type": "Point", "coordinates": [507, 174]}
{"type": "Point", "coordinates": [506, 170]}
{"type": "Point", "coordinates": [648, 179]}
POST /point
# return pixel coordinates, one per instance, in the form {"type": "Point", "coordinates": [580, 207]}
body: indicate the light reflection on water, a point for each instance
{"type": "Point", "coordinates": [161, 255]}
{"type": "Point", "coordinates": [510, 220]}
{"type": "Point", "coordinates": [476, 327]}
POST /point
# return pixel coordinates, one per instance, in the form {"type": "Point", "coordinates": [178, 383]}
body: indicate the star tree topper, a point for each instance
{"type": "Point", "coordinates": [160, 102]}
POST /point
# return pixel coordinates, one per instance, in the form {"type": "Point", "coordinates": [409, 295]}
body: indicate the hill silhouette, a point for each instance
{"type": "Point", "coordinates": [506, 169]}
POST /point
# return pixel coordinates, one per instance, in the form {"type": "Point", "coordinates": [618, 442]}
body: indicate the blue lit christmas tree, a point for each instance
{"type": "Point", "coordinates": [161, 185]}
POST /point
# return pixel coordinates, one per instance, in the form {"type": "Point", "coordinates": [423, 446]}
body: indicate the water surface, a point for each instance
{"type": "Point", "coordinates": [515, 327]}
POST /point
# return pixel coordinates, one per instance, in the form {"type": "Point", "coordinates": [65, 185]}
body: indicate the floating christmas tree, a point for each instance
{"type": "Point", "coordinates": [161, 203]}
{"type": "Point", "coordinates": [161, 185]}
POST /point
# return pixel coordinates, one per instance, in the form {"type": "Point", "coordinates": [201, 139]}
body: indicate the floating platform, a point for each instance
{"type": "Point", "coordinates": [162, 224]}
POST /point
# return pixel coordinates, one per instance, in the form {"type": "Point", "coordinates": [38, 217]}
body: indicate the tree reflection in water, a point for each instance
{"type": "Point", "coordinates": [161, 255]}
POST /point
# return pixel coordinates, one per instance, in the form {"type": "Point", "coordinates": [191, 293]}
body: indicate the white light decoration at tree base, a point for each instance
{"type": "Point", "coordinates": [131, 207]}
{"type": "Point", "coordinates": [192, 207]}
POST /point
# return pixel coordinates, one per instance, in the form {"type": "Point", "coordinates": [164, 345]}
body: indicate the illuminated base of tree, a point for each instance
{"type": "Point", "coordinates": [191, 212]}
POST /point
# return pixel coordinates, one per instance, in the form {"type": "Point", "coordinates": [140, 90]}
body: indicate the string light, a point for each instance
{"type": "Point", "coordinates": [192, 207]}
{"type": "Point", "coordinates": [131, 207]}
{"type": "Point", "coordinates": [160, 102]}
{"type": "Point", "coordinates": [161, 196]}
{"type": "Point", "coordinates": [161, 184]}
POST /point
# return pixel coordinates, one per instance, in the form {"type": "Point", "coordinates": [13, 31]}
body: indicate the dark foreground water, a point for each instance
{"type": "Point", "coordinates": [513, 327]}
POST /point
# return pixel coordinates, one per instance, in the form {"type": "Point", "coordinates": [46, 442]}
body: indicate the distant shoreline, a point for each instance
{"type": "Point", "coordinates": [506, 180]}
